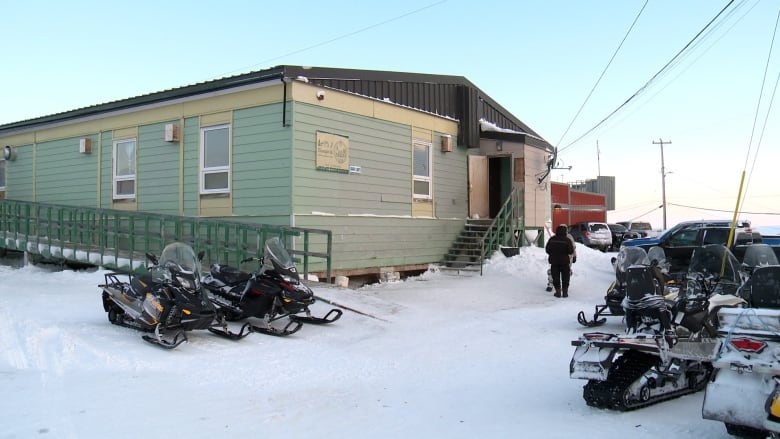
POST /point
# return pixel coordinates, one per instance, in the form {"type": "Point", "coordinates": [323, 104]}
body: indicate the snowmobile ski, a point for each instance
{"type": "Point", "coordinates": [157, 340]}
{"type": "Point", "coordinates": [332, 315]}
{"type": "Point", "coordinates": [224, 331]}
{"type": "Point", "coordinates": [590, 323]}
{"type": "Point", "coordinates": [290, 328]}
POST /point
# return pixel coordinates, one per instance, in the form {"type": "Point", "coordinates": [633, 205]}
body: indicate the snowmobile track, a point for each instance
{"type": "Point", "coordinates": [629, 367]}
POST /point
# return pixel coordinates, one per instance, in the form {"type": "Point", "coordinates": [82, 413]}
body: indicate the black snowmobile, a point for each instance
{"type": "Point", "coordinates": [669, 343]}
{"type": "Point", "coordinates": [273, 293]}
{"type": "Point", "coordinates": [169, 299]}
{"type": "Point", "coordinates": [628, 256]}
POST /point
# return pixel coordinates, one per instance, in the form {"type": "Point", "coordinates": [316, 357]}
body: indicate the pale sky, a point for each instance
{"type": "Point", "coordinates": [539, 59]}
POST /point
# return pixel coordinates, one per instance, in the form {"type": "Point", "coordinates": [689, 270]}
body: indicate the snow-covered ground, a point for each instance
{"type": "Point", "coordinates": [440, 356]}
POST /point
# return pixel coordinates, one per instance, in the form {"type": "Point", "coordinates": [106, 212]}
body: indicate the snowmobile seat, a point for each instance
{"type": "Point", "coordinates": [140, 284]}
{"type": "Point", "coordinates": [765, 287]}
{"type": "Point", "coordinates": [643, 299]}
{"type": "Point", "coordinates": [229, 275]}
{"type": "Point", "coordinates": [641, 281]}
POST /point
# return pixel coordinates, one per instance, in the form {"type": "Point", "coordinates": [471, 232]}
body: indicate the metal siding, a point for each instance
{"type": "Point", "coordinates": [19, 175]}
{"type": "Point", "coordinates": [65, 176]}
{"type": "Point", "coordinates": [366, 242]}
{"type": "Point", "coordinates": [382, 149]}
{"type": "Point", "coordinates": [261, 162]}
{"type": "Point", "coordinates": [106, 148]}
{"type": "Point", "coordinates": [157, 178]}
{"type": "Point", "coordinates": [191, 141]}
{"type": "Point", "coordinates": [450, 178]}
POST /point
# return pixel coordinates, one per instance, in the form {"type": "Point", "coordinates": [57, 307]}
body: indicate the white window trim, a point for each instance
{"type": "Point", "coordinates": [217, 169]}
{"type": "Point", "coordinates": [115, 178]}
{"type": "Point", "coordinates": [429, 178]}
{"type": "Point", "coordinates": [5, 174]}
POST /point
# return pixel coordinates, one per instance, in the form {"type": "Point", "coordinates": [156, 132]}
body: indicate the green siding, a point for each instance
{"type": "Point", "coordinates": [450, 181]}
{"type": "Point", "coordinates": [157, 175]}
{"type": "Point", "coordinates": [382, 149]}
{"type": "Point", "coordinates": [19, 176]}
{"type": "Point", "coordinates": [191, 165]}
{"type": "Point", "coordinates": [373, 242]}
{"type": "Point", "coordinates": [106, 151]}
{"type": "Point", "coordinates": [261, 163]}
{"type": "Point", "coordinates": [65, 176]}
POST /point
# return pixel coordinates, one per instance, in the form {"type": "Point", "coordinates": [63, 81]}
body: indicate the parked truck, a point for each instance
{"type": "Point", "coordinates": [679, 241]}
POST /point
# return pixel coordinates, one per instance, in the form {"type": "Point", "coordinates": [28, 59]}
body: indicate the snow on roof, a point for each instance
{"type": "Point", "coordinates": [485, 125]}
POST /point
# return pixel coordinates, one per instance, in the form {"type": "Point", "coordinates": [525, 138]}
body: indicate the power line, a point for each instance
{"type": "Point", "coordinates": [653, 78]}
{"type": "Point", "coordinates": [603, 72]}
{"type": "Point", "coordinates": [724, 210]}
{"type": "Point", "coordinates": [340, 37]}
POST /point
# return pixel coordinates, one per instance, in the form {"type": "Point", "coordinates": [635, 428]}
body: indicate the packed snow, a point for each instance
{"type": "Point", "coordinates": [432, 356]}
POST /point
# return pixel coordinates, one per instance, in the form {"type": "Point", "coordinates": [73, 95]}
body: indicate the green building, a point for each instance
{"type": "Point", "coordinates": [392, 163]}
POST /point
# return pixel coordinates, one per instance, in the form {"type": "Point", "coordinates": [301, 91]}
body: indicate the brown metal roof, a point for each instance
{"type": "Point", "coordinates": [451, 96]}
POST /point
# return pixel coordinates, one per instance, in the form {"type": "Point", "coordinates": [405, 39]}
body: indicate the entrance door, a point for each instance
{"type": "Point", "coordinates": [479, 196]}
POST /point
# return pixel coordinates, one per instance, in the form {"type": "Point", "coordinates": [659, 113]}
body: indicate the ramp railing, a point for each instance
{"type": "Point", "coordinates": [119, 240]}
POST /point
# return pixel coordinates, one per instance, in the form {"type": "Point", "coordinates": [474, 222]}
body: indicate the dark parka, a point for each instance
{"type": "Point", "coordinates": [559, 247]}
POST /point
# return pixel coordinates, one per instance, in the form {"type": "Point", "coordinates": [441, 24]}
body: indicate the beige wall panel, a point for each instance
{"type": "Point", "coordinates": [216, 119]}
{"type": "Point", "coordinates": [18, 140]}
{"type": "Point", "coordinates": [422, 208]}
{"type": "Point", "coordinates": [349, 103]}
{"type": "Point", "coordinates": [209, 105]}
{"type": "Point", "coordinates": [537, 197]}
{"type": "Point", "coordinates": [303, 92]}
{"type": "Point", "coordinates": [130, 206]}
{"type": "Point", "coordinates": [222, 206]}
{"type": "Point", "coordinates": [125, 133]}
{"type": "Point", "coordinates": [422, 134]}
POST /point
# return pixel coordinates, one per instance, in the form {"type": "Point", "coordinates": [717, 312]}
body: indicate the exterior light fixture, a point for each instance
{"type": "Point", "coordinates": [9, 153]}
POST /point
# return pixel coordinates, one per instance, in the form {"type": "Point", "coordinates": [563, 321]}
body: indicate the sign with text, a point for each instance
{"type": "Point", "coordinates": [332, 151]}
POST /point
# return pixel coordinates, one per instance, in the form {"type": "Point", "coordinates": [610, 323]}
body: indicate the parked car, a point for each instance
{"type": "Point", "coordinates": [620, 234]}
{"type": "Point", "coordinates": [592, 234]}
{"type": "Point", "coordinates": [642, 227]}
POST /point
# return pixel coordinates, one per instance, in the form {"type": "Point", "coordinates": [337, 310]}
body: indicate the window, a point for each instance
{"type": "Point", "coordinates": [422, 170]}
{"type": "Point", "coordinates": [215, 159]}
{"type": "Point", "coordinates": [124, 169]}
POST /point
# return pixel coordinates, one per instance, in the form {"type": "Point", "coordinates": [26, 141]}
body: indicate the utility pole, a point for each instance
{"type": "Point", "coordinates": [663, 176]}
{"type": "Point", "coordinates": [598, 157]}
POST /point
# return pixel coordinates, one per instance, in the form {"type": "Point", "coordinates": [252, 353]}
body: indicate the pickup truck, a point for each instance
{"type": "Point", "coordinates": [679, 241]}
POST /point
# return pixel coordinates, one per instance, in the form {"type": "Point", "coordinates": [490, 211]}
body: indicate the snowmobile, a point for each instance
{"type": "Point", "coordinates": [628, 256]}
{"type": "Point", "coordinates": [744, 392]}
{"type": "Point", "coordinates": [667, 348]}
{"type": "Point", "coordinates": [272, 293]}
{"type": "Point", "coordinates": [167, 299]}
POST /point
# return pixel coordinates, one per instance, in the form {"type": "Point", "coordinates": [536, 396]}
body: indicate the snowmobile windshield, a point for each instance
{"type": "Point", "coordinates": [628, 256]}
{"type": "Point", "coordinates": [718, 261]}
{"type": "Point", "coordinates": [757, 255]}
{"type": "Point", "coordinates": [181, 264]}
{"type": "Point", "coordinates": [657, 254]}
{"type": "Point", "coordinates": [280, 259]}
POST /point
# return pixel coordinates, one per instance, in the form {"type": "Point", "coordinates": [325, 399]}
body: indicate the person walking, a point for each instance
{"type": "Point", "coordinates": [572, 258]}
{"type": "Point", "coordinates": [559, 249]}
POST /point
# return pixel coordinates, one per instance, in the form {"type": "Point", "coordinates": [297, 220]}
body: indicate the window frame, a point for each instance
{"type": "Point", "coordinates": [3, 182]}
{"type": "Point", "coordinates": [115, 179]}
{"type": "Point", "coordinates": [429, 178]}
{"type": "Point", "coordinates": [204, 171]}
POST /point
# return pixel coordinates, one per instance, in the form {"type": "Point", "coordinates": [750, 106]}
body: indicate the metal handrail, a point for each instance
{"type": "Point", "coordinates": [503, 227]}
{"type": "Point", "coordinates": [118, 239]}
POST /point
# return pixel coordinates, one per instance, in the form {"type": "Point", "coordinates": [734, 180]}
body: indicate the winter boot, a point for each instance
{"type": "Point", "coordinates": [557, 292]}
{"type": "Point", "coordinates": [565, 291]}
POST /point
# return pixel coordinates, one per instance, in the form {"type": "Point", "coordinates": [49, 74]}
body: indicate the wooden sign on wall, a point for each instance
{"type": "Point", "coordinates": [332, 152]}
